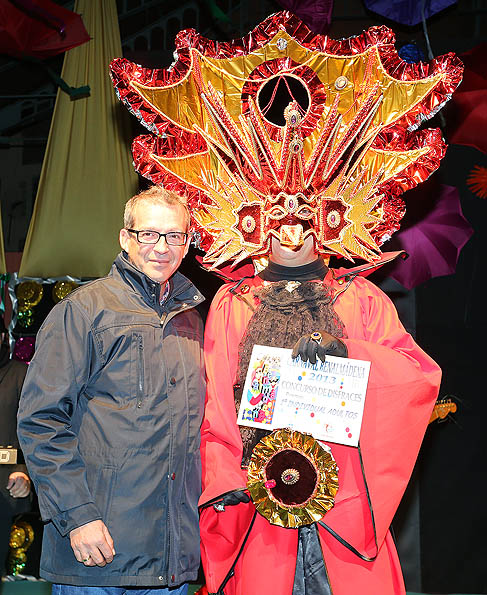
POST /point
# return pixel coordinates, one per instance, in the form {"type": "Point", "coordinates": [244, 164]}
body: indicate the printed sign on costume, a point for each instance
{"type": "Point", "coordinates": [325, 399]}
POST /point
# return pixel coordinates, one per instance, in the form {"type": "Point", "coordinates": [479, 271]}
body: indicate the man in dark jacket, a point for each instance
{"type": "Point", "coordinates": [14, 481]}
{"type": "Point", "coordinates": [110, 413]}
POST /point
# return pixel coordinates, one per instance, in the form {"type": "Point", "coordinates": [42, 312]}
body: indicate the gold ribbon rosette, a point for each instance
{"type": "Point", "coordinates": [292, 479]}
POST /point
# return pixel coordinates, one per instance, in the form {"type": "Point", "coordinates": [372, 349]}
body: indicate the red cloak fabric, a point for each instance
{"type": "Point", "coordinates": [402, 389]}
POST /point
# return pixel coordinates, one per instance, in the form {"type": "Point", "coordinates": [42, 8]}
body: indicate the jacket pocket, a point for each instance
{"type": "Point", "coordinates": [103, 491]}
{"type": "Point", "coordinates": [137, 368]}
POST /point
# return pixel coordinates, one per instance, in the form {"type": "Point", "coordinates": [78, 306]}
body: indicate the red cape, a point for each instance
{"type": "Point", "coordinates": [403, 386]}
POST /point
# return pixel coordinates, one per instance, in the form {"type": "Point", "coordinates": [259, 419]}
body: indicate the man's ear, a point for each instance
{"type": "Point", "coordinates": [123, 238]}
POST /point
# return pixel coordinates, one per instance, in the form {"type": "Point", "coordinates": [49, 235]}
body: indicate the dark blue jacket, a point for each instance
{"type": "Point", "coordinates": [109, 424]}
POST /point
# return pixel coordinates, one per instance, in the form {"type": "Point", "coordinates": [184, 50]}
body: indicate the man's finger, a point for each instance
{"type": "Point", "coordinates": [106, 551]}
{"type": "Point", "coordinates": [78, 555]}
{"type": "Point", "coordinates": [109, 539]}
{"type": "Point", "coordinates": [88, 561]}
{"type": "Point", "coordinates": [97, 557]}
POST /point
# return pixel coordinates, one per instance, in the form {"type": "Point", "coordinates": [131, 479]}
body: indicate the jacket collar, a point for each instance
{"type": "Point", "coordinates": [182, 290]}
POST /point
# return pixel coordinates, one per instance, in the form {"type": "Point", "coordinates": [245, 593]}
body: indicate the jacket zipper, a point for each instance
{"type": "Point", "coordinates": [140, 364]}
{"type": "Point", "coordinates": [164, 319]}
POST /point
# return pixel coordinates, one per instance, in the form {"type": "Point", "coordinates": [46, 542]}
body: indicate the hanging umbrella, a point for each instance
{"type": "Point", "coordinates": [434, 242]}
{"type": "Point", "coordinates": [407, 12]}
{"type": "Point", "coordinates": [38, 28]}
{"type": "Point", "coordinates": [467, 115]}
{"type": "Point", "coordinates": [315, 13]}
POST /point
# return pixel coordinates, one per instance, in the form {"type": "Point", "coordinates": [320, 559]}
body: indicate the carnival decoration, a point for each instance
{"type": "Point", "coordinates": [409, 12]}
{"type": "Point", "coordinates": [477, 181]}
{"type": "Point", "coordinates": [21, 538]}
{"type": "Point", "coordinates": [315, 13]}
{"type": "Point", "coordinates": [467, 115]}
{"type": "Point", "coordinates": [39, 29]}
{"type": "Point", "coordinates": [433, 242]}
{"type": "Point", "coordinates": [288, 134]}
{"type": "Point", "coordinates": [32, 299]}
{"type": "Point", "coordinates": [61, 289]}
{"type": "Point", "coordinates": [24, 349]}
{"type": "Point", "coordinates": [29, 294]}
{"type": "Point", "coordinates": [292, 478]}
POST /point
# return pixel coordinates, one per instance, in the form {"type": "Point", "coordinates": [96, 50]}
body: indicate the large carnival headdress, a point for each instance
{"type": "Point", "coordinates": [286, 133]}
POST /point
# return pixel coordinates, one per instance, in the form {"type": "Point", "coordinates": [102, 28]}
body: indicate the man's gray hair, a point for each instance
{"type": "Point", "coordinates": [155, 195]}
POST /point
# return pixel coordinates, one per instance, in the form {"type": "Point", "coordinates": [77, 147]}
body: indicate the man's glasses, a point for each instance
{"type": "Point", "coordinates": [147, 236]}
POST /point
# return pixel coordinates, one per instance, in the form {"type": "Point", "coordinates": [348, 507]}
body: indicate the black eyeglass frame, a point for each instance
{"type": "Point", "coordinates": [164, 235]}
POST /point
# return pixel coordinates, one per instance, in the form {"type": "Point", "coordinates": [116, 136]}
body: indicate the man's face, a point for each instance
{"type": "Point", "coordinates": [293, 257]}
{"type": "Point", "coordinates": [158, 261]}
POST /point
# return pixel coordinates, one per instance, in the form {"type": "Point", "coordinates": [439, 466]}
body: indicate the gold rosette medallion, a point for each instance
{"type": "Point", "coordinates": [292, 479]}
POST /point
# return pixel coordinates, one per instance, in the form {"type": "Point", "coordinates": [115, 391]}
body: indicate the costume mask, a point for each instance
{"type": "Point", "coordinates": [286, 133]}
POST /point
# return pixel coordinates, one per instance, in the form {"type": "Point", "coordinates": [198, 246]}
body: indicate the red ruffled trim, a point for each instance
{"type": "Point", "coordinates": [143, 148]}
{"type": "Point", "coordinates": [397, 139]}
{"type": "Point", "coordinates": [123, 71]}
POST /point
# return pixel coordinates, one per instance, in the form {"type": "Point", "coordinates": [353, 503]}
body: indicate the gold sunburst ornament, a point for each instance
{"type": "Point", "coordinates": [292, 479]}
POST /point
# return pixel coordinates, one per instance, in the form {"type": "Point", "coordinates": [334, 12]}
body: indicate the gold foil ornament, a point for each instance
{"type": "Point", "coordinates": [292, 478]}
{"type": "Point", "coordinates": [21, 538]}
{"type": "Point", "coordinates": [61, 289]}
{"type": "Point", "coordinates": [29, 294]}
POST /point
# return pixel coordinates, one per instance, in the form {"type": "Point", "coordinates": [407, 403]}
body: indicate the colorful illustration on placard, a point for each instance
{"type": "Point", "coordinates": [261, 395]}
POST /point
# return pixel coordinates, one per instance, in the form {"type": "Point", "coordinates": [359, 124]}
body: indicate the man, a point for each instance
{"type": "Point", "coordinates": [351, 549]}
{"type": "Point", "coordinates": [14, 481]}
{"type": "Point", "coordinates": [110, 414]}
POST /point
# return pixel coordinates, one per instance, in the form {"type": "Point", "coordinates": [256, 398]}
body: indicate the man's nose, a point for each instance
{"type": "Point", "coordinates": [161, 246]}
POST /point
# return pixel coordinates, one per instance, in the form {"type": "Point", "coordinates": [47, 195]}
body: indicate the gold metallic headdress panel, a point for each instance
{"type": "Point", "coordinates": [289, 134]}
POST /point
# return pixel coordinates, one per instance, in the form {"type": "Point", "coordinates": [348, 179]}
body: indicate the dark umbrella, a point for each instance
{"type": "Point", "coordinates": [407, 12]}
{"type": "Point", "coordinates": [467, 114]}
{"type": "Point", "coordinates": [38, 28]}
{"type": "Point", "coordinates": [315, 13]}
{"type": "Point", "coordinates": [434, 242]}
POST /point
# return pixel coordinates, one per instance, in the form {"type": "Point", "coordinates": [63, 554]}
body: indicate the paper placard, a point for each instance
{"type": "Point", "coordinates": [325, 399]}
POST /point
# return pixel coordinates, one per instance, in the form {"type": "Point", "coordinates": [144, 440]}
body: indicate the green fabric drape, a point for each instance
{"type": "Point", "coordinates": [87, 174]}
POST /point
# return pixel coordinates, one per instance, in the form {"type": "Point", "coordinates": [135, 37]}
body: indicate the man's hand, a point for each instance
{"type": "Point", "coordinates": [92, 544]}
{"type": "Point", "coordinates": [319, 344]}
{"type": "Point", "coordinates": [18, 484]}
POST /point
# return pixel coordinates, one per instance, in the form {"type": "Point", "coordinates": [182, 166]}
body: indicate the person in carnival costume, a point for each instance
{"type": "Point", "coordinates": [292, 147]}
